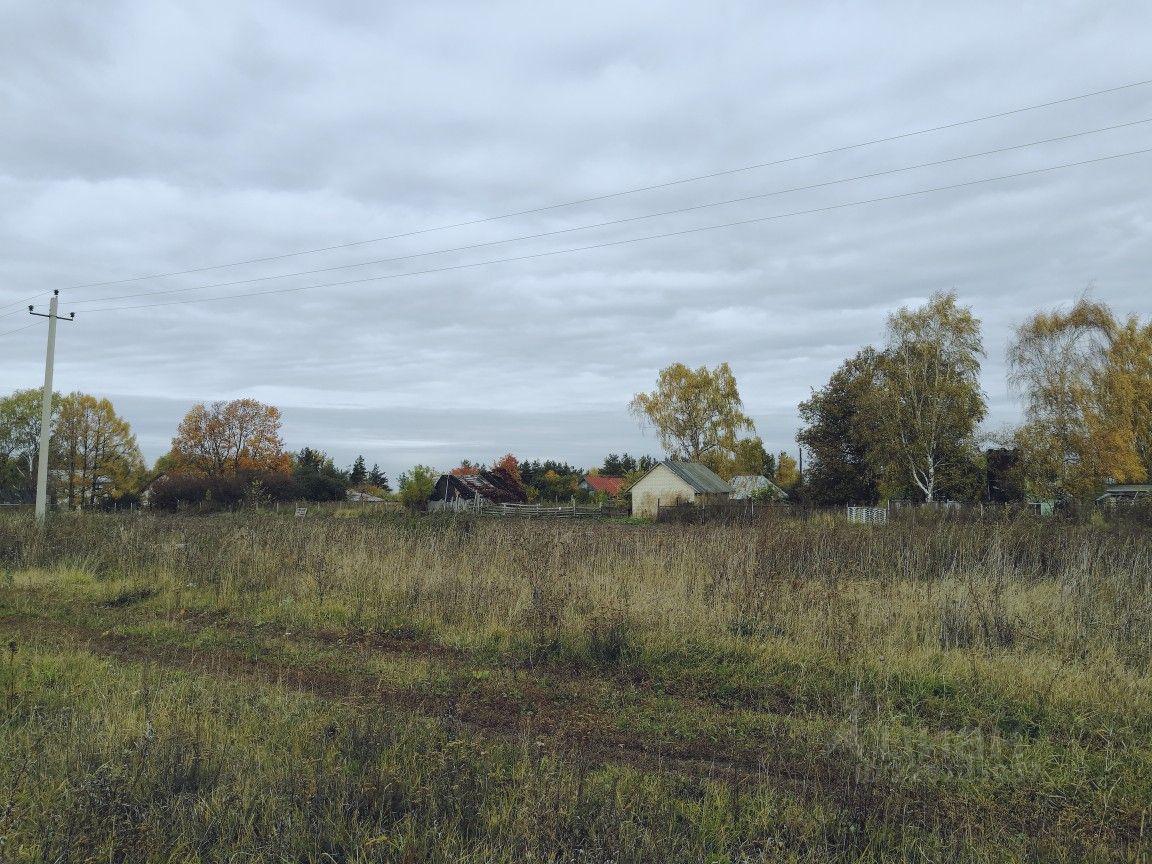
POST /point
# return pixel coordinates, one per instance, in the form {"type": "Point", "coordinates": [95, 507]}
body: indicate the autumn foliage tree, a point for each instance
{"type": "Point", "coordinates": [509, 467]}
{"type": "Point", "coordinates": [695, 412]}
{"type": "Point", "coordinates": [228, 438]}
{"type": "Point", "coordinates": [1086, 378]}
{"type": "Point", "coordinates": [96, 452]}
{"type": "Point", "coordinates": [20, 439]}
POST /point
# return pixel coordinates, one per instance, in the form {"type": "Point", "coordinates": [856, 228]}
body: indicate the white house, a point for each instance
{"type": "Point", "coordinates": [676, 483]}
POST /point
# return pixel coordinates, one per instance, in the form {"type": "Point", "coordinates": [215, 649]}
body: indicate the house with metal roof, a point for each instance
{"type": "Point", "coordinates": [670, 483]}
{"type": "Point", "coordinates": [602, 483]}
{"type": "Point", "coordinates": [745, 486]}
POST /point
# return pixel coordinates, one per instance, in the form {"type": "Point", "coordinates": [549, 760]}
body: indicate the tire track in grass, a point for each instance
{"type": "Point", "coordinates": [533, 717]}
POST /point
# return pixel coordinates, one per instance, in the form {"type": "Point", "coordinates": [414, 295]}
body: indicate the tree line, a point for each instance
{"type": "Point", "coordinates": [223, 453]}
{"type": "Point", "coordinates": [547, 481]}
{"type": "Point", "coordinates": [896, 421]}
{"type": "Point", "coordinates": [92, 450]}
{"type": "Point", "coordinates": [902, 420]}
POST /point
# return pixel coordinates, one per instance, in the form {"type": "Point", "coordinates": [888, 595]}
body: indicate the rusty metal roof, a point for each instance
{"type": "Point", "coordinates": [608, 485]}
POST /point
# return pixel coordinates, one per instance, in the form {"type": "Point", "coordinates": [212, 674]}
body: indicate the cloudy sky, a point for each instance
{"type": "Point", "coordinates": [142, 138]}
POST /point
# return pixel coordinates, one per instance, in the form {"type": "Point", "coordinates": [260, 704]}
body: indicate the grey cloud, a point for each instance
{"type": "Point", "coordinates": [143, 138]}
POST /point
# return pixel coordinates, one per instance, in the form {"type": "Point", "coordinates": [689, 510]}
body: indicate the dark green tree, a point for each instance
{"type": "Point", "coordinates": [838, 435]}
{"type": "Point", "coordinates": [358, 473]}
{"type": "Point", "coordinates": [617, 466]}
{"type": "Point", "coordinates": [376, 477]}
{"type": "Point", "coordinates": [317, 477]}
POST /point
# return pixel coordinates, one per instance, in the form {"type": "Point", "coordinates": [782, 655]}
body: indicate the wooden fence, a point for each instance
{"type": "Point", "coordinates": [539, 511]}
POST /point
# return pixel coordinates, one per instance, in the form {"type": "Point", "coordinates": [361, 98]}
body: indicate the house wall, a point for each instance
{"type": "Point", "coordinates": [660, 485]}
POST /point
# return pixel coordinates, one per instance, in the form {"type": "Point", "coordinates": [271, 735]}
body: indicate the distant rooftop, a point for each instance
{"type": "Point", "coordinates": [747, 485]}
{"type": "Point", "coordinates": [610, 486]}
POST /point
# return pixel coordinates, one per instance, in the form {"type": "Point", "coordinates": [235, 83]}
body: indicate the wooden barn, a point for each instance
{"type": "Point", "coordinates": [473, 491]}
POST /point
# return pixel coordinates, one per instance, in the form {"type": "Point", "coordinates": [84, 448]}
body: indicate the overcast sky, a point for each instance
{"type": "Point", "coordinates": [140, 138]}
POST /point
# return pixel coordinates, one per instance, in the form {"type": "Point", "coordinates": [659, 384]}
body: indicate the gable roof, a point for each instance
{"type": "Point", "coordinates": [490, 485]}
{"type": "Point", "coordinates": [610, 486]}
{"type": "Point", "coordinates": [747, 485]}
{"type": "Point", "coordinates": [362, 497]}
{"type": "Point", "coordinates": [700, 477]}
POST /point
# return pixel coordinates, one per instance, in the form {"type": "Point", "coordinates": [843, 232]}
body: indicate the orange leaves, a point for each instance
{"type": "Point", "coordinates": [228, 438]}
{"type": "Point", "coordinates": [509, 465]}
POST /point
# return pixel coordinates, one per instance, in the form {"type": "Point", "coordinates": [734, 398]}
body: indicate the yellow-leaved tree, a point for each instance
{"type": "Point", "coordinates": [697, 413]}
{"type": "Point", "coordinates": [96, 450]}
{"type": "Point", "coordinates": [1086, 379]}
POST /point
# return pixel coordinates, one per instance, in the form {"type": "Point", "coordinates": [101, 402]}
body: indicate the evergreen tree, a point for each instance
{"type": "Point", "coordinates": [359, 473]}
{"type": "Point", "coordinates": [376, 477]}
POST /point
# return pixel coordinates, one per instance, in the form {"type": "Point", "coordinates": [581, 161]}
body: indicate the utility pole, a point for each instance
{"type": "Point", "coordinates": [46, 405]}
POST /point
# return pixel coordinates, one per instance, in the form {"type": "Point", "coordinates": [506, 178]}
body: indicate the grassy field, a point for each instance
{"type": "Point", "coordinates": [253, 687]}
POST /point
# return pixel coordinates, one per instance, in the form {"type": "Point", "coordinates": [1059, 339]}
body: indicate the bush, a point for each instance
{"type": "Point", "coordinates": [185, 490]}
{"type": "Point", "coordinates": [416, 487]}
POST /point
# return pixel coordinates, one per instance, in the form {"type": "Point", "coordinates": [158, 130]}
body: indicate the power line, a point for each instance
{"type": "Point", "coordinates": [632, 191]}
{"type": "Point", "coordinates": [621, 221]}
{"type": "Point", "coordinates": [611, 243]}
{"type": "Point", "coordinates": [18, 329]}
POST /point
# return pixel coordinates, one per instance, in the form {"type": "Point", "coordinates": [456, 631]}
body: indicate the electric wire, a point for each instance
{"type": "Point", "coordinates": [608, 244]}
{"type": "Point", "coordinates": [609, 223]}
{"type": "Point", "coordinates": [18, 329]}
{"type": "Point", "coordinates": [634, 190]}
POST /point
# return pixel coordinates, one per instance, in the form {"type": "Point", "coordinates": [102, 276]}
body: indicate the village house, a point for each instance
{"type": "Point", "coordinates": [602, 484]}
{"type": "Point", "coordinates": [671, 483]}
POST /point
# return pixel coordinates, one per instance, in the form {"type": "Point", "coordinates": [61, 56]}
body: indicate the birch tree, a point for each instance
{"type": "Point", "coordinates": [1086, 379]}
{"type": "Point", "coordinates": [20, 438]}
{"type": "Point", "coordinates": [928, 404]}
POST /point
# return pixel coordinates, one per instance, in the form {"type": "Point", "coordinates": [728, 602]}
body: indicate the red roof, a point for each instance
{"type": "Point", "coordinates": [611, 486]}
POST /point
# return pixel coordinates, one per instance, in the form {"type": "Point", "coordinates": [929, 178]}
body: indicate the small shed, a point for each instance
{"type": "Point", "coordinates": [357, 497]}
{"type": "Point", "coordinates": [1126, 493]}
{"type": "Point", "coordinates": [672, 482]}
{"type": "Point", "coordinates": [601, 483]}
{"type": "Point", "coordinates": [745, 486]}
